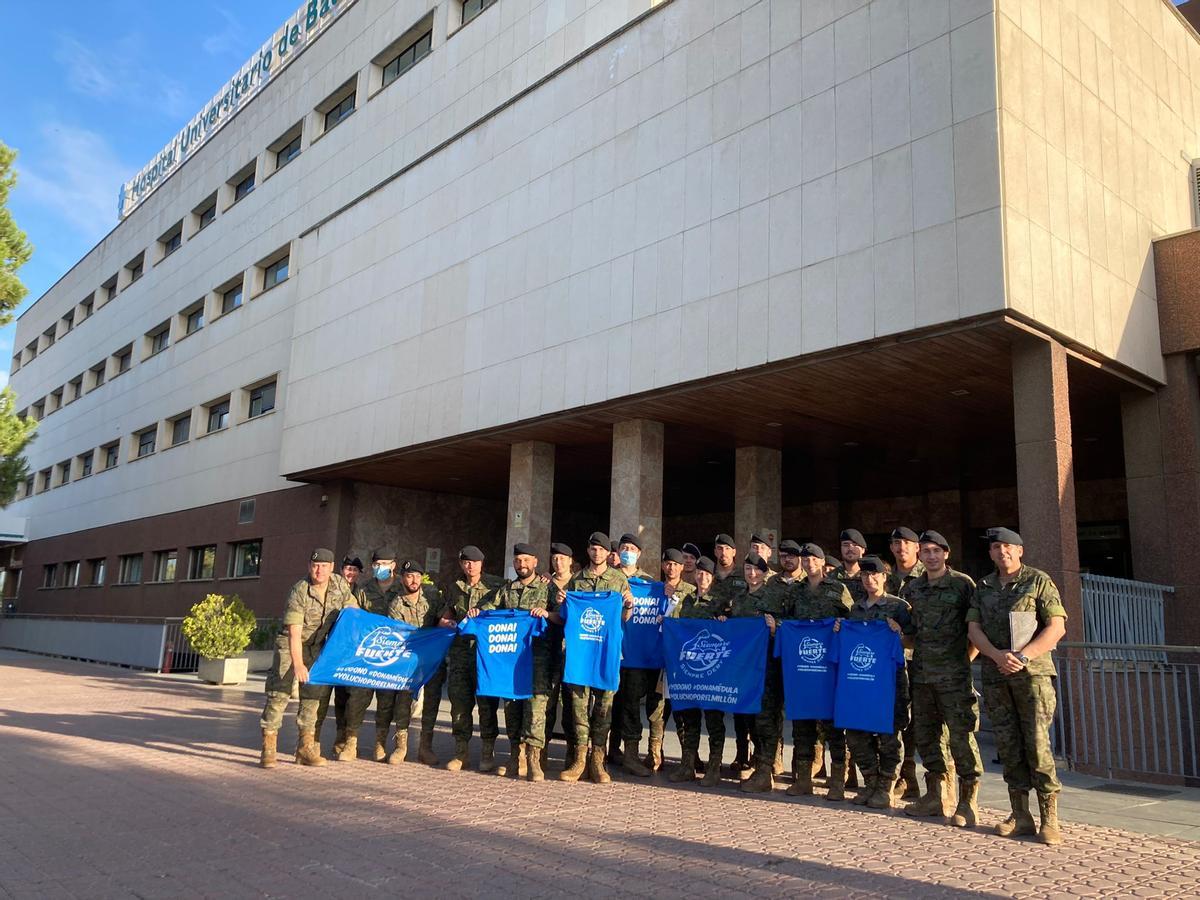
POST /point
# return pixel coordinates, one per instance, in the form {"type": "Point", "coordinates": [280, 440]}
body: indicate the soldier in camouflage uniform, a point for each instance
{"type": "Point", "coordinates": [638, 686]}
{"type": "Point", "coordinates": [312, 607]}
{"type": "Point", "coordinates": [905, 549]}
{"type": "Point", "coordinates": [1017, 683]}
{"type": "Point", "coordinates": [593, 725]}
{"type": "Point", "coordinates": [816, 596]}
{"type": "Point", "coordinates": [943, 693]}
{"type": "Point", "coordinates": [728, 580]}
{"type": "Point", "coordinates": [351, 570]}
{"type": "Point", "coordinates": [524, 720]}
{"type": "Point", "coordinates": [853, 546]}
{"type": "Point", "coordinates": [700, 604]}
{"type": "Point", "coordinates": [758, 600]}
{"type": "Point", "coordinates": [561, 558]}
{"type": "Point", "coordinates": [878, 755]}
{"type": "Point", "coordinates": [691, 555]}
{"type": "Point", "coordinates": [469, 592]}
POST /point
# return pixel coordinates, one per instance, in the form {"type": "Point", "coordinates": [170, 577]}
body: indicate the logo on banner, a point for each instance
{"type": "Point", "coordinates": [382, 647]}
{"type": "Point", "coordinates": [812, 650]}
{"type": "Point", "coordinates": [862, 657]}
{"type": "Point", "coordinates": [591, 620]}
{"type": "Point", "coordinates": [704, 653]}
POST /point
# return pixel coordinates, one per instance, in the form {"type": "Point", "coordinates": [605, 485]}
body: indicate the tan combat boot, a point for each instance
{"type": "Point", "coordinates": [967, 810]}
{"type": "Point", "coordinates": [761, 782]}
{"type": "Point", "coordinates": [866, 789]}
{"type": "Point", "coordinates": [803, 785]}
{"type": "Point", "coordinates": [533, 763]}
{"type": "Point", "coordinates": [1020, 822]}
{"type": "Point", "coordinates": [577, 761]}
{"type": "Point", "coordinates": [818, 768]}
{"type": "Point", "coordinates": [686, 770]}
{"type": "Point", "coordinates": [308, 753]}
{"type": "Point", "coordinates": [852, 772]}
{"type": "Point", "coordinates": [837, 783]}
{"type": "Point", "coordinates": [400, 751]}
{"type": "Point", "coordinates": [597, 770]}
{"type": "Point", "coordinates": [425, 754]}
{"type": "Point", "coordinates": [654, 757]}
{"type": "Point", "coordinates": [514, 766]}
{"type": "Point", "coordinates": [934, 801]}
{"type": "Point", "coordinates": [349, 751]}
{"type": "Point", "coordinates": [712, 771]}
{"type": "Point", "coordinates": [270, 742]}
{"type": "Point", "coordinates": [1048, 809]}
{"type": "Point", "coordinates": [544, 757]}
{"type": "Point", "coordinates": [632, 764]}
{"type": "Point", "coordinates": [339, 740]}
{"type": "Point", "coordinates": [908, 774]}
{"type": "Point", "coordinates": [882, 796]}
{"type": "Point", "coordinates": [379, 752]}
{"type": "Point", "coordinates": [777, 768]}
{"type": "Point", "coordinates": [487, 756]}
{"type": "Point", "coordinates": [459, 761]}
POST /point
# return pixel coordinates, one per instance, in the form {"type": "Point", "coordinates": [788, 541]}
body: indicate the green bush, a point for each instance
{"type": "Point", "coordinates": [219, 627]}
{"type": "Point", "coordinates": [264, 635]}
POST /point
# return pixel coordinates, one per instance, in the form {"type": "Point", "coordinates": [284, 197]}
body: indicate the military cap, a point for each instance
{"type": "Point", "coordinates": [561, 548]}
{"type": "Point", "coordinates": [691, 548]}
{"type": "Point", "coordinates": [789, 547]}
{"type": "Point", "coordinates": [352, 561]}
{"type": "Point", "coordinates": [600, 539]}
{"type": "Point", "coordinates": [757, 538]}
{"type": "Point", "coordinates": [704, 564]}
{"type": "Point", "coordinates": [1004, 536]}
{"type": "Point", "coordinates": [854, 536]}
{"type": "Point", "coordinates": [630, 538]}
{"type": "Point", "coordinates": [753, 559]}
{"type": "Point", "coordinates": [471, 553]}
{"type": "Point", "coordinates": [612, 546]}
{"type": "Point", "coordinates": [724, 539]}
{"type": "Point", "coordinates": [411, 565]}
{"type": "Point", "coordinates": [832, 561]}
{"type": "Point", "coordinates": [871, 564]}
{"type": "Point", "coordinates": [524, 550]}
{"type": "Point", "coordinates": [672, 555]}
{"type": "Point", "coordinates": [903, 533]}
{"type": "Point", "coordinates": [934, 537]}
{"type": "Point", "coordinates": [382, 553]}
{"type": "Point", "coordinates": [321, 555]}
{"type": "Point", "coordinates": [811, 549]}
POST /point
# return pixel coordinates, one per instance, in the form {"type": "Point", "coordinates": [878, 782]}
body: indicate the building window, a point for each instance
{"type": "Point", "coordinates": [407, 58]}
{"type": "Point", "coordinates": [85, 309]}
{"type": "Point", "coordinates": [44, 480]}
{"type": "Point", "coordinates": [202, 562]}
{"type": "Point", "coordinates": [124, 360]}
{"type": "Point", "coordinates": [181, 429]}
{"type": "Point", "coordinates": [56, 400]}
{"type": "Point", "coordinates": [206, 213]}
{"type": "Point", "coordinates": [164, 565]}
{"type": "Point", "coordinates": [243, 187]}
{"type": "Point", "coordinates": [32, 351]}
{"type": "Point", "coordinates": [68, 322]}
{"type": "Point", "coordinates": [29, 486]}
{"type": "Point", "coordinates": [339, 112]}
{"type": "Point", "coordinates": [231, 299]}
{"type": "Point", "coordinates": [75, 388]}
{"type": "Point", "coordinates": [245, 560]}
{"type": "Point", "coordinates": [96, 571]}
{"type": "Point", "coordinates": [129, 571]}
{"type": "Point", "coordinates": [275, 273]}
{"type": "Point", "coordinates": [159, 339]}
{"type": "Point", "coordinates": [71, 574]}
{"type": "Point", "coordinates": [287, 152]}
{"type": "Point", "coordinates": [218, 415]}
{"type": "Point", "coordinates": [38, 410]}
{"type": "Point", "coordinates": [85, 463]}
{"type": "Point", "coordinates": [194, 321]}
{"type": "Point", "coordinates": [262, 400]}
{"type": "Point", "coordinates": [49, 575]}
{"type": "Point", "coordinates": [145, 441]}
{"type": "Point", "coordinates": [50, 335]}
{"type": "Point", "coordinates": [472, 8]}
{"type": "Point", "coordinates": [135, 268]}
{"type": "Point", "coordinates": [112, 453]}
{"type": "Point", "coordinates": [97, 375]}
{"type": "Point", "coordinates": [64, 472]}
{"type": "Point", "coordinates": [110, 288]}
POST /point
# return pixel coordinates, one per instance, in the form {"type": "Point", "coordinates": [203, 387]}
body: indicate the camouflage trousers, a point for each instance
{"type": "Point", "coordinates": [280, 678]}
{"type": "Point", "coordinates": [687, 726]}
{"type": "Point", "coordinates": [431, 700]}
{"type": "Point", "coordinates": [390, 706]}
{"type": "Point", "coordinates": [341, 696]}
{"type": "Point", "coordinates": [460, 681]}
{"type": "Point", "coordinates": [938, 709]}
{"type": "Point", "coordinates": [809, 736]}
{"type": "Point", "coordinates": [489, 721]}
{"type": "Point", "coordinates": [767, 723]}
{"type": "Point", "coordinates": [553, 697]}
{"type": "Point", "coordinates": [638, 686]}
{"type": "Point", "coordinates": [1021, 708]}
{"type": "Point", "coordinates": [590, 725]}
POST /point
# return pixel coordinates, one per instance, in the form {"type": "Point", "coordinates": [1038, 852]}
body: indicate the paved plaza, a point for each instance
{"type": "Point", "coordinates": [118, 784]}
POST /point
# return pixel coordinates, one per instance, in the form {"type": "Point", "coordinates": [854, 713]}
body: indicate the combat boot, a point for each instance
{"type": "Point", "coordinates": [881, 797]}
{"type": "Point", "coordinates": [533, 763]}
{"type": "Point", "coordinates": [700, 765]}
{"type": "Point", "coordinates": [908, 774]}
{"type": "Point", "coordinates": [934, 801]}
{"type": "Point", "coordinates": [967, 810]}
{"type": "Point", "coordinates": [339, 740]}
{"type": "Point", "coordinates": [514, 763]}
{"type": "Point", "coordinates": [712, 772]}
{"type": "Point", "coordinates": [1048, 810]}
{"type": "Point", "coordinates": [686, 770]}
{"type": "Point", "coordinates": [1020, 822]}
{"type": "Point", "coordinates": [851, 772]}
{"type": "Point", "coordinates": [741, 761]}
{"type": "Point", "coordinates": [487, 756]}
{"type": "Point", "coordinates": [654, 758]}
{"type": "Point", "coordinates": [396, 757]}
{"type": "Point", "coordinates": [761, 782]}
{"type": "Point", "coordinates": [818, 769]}
{"type": "Point", "coordinates": [578, 760]}
{"type": "Point", "coordinates": [270, 742]}
{"type": "Point", "coordinates": [866, 789]}
{"type": "Point", "coordinates": [596, 769]}
{"type": "Point", "coordinates": [349, 751]}
{"type": "Point", "coordinates": [459, 761]}
{"type": "Point", "coordinates": [632, 764]}
{"type": "Point", "coordinates": [379, 753]}
{"type": "Point", "coordinates": [308, 753]}
{"type": "Point", "coordinates": [837, 783]}
{"type": "Point", "coordinates": [803, 785]}
{"type": "Point", "coordinates": [777, 767]}
{"type": "Point", "coordinates": [544, 757]}
{"type": "Point", "coordinates": [425, 752]}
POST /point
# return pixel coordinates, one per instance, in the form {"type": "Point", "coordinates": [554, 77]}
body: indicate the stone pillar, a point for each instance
{"type": "Point", "coordinates": [944, 514]}
{"type": "Point", "coordinates": [530, 500]}
{"type": "Point", "coordinates": [637, 486]}
{"type": "Point", "coordinates": [1145, 487]}
{"type": "Point", "coordinates": [1045, 469]}
{"type": "Point", "coordinates": [757, 495]}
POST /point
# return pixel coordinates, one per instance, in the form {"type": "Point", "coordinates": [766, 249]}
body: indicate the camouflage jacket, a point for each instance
{"type": "Point", "coordinates": [374, 597]}
{"type": "Point", "coordinates": [314, 612]}
{"type": "Point", "coordinates": [939, 628]}
{"type": "Point", "coordinates": [888, 607]}
{"type": "Point", "coordinates": [696, 607]}
{"type": "Point", "coordinates": [461, 596]}
{"type": "Point", "coordinates": [515, 595]}
{"type": "Point", "coordinates": [414, 609]}
{"type": "Point", "coordinates": [1031, 590]}
{"type": "Point", "coordinates": [609, 580]}
{"type": "Point", "coordinates": [853, 582]}
{"type": "Point", "coordinates": [896, 581]}
{"type": "Point", "coordinates": [746, 603]}
{"type": "Point", "coordinates": [731, 584]}
{"type": "Point", "coordinates": [829, 598]}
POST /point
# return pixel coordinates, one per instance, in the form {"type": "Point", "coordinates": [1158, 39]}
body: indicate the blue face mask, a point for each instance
{"type": "Point", "coordinates": [383, 573]}
{"type": "Point", "coordinates": [628, 558]}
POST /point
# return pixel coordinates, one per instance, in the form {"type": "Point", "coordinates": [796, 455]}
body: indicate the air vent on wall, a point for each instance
{"type": "Point", "coordinates": [246, 512]}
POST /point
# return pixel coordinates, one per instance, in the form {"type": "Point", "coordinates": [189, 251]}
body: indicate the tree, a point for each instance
{"type": "Point", "coordinates": [15, 433]}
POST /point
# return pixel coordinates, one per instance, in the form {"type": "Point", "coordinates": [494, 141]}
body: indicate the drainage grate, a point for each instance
{"type": "Point", "coordinates": [1133, 790]}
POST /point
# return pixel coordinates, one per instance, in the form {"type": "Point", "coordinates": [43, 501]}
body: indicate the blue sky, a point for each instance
{"type": "Point", "coordinates": [93, 91]}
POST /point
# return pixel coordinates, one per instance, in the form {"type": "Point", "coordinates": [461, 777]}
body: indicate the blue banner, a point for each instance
{"type": "Point", "coordinates": [867, 655]}
{"type": "Point", "coordinates": [642, 647]}
{"type": "Point", "coordinates": [504, 651]}
{"type": "Point", "coordinates": [592, 639]}
{"type": "Point", "coordinates": [369, 651]}
{"type": "Point", "coordinates": [716, 665]}
{"type": "Point", "coordinates": [809, 673]}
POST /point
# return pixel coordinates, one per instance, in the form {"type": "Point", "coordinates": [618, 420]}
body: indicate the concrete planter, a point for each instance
{"type": "Point", "coordinates": [260, 660]}
{"type": "Point", "coordinates": [224, 671]}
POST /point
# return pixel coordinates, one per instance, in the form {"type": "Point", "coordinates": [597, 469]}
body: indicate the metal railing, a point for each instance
{"type": "Point", "coordinates": [1124, 612]}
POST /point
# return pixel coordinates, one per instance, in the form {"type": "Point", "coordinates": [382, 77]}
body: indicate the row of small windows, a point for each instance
{"type": "Point", "coordinates": [402, 55]}
{"type": "Point", "coordinates": [249, 403]}
{"type": "Point", "coordinates": [244, 560]}
{"type": "Point", "coordinates": [271, 272]}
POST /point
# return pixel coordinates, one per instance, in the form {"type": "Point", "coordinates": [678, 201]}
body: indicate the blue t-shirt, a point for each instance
{"type": "Point", "coordinates": [716, 665]}
{"type": "Point", "coordinates": [809, 675]}
{"type": "Point", "coordinates": [592, 639]}
{"type": "Point", "coordinates": [867, 656]}
{"type": "Point", "coordinates": [374, 652]}
{"type": "Point", "coordinates": [504, 651]}
{"type": "Point", "coordinates": [642, 646]}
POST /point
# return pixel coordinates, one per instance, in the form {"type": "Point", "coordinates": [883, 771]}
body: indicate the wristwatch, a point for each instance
{"type": "Point", "coordinates": [1023, 658]}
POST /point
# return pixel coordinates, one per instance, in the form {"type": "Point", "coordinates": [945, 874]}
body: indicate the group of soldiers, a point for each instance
{"type": "Point", "coordinates": [944, 618]}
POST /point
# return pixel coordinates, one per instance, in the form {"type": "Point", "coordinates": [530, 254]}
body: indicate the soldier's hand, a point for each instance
{"type": "Point", "coordinates": [628, 595]}
{"type": "Point", "coordinates": [539, 612]}
{"type": "Point", "coordinates": [562, 596]}
{"type": "Point", "coordinates": [302, 673]}
{"type": "Point", "coordinates": [721, 618]}
{"type": "Point", "coordinates": [837, 625]}
{"type": "Point", "coordinates": [472, 613]}
{"type": "Point", "coordinates": [1008, 664]}
{"type": "Point", "coordinates": [447, 622]}
{"type": "Point", "coordinates": [894, 625]}
{"type": "Point", "coordinates": [544, 578]}
{"type": "Point", "coordinates": [770, 620]}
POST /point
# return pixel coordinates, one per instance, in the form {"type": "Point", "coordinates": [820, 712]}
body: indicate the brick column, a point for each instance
{"type": "Point", "coordinates": [757, 495]}
{"type": "Point", "coordinates": [530, 500]}
{"type": "Point", "coordinates": [637, 486]}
